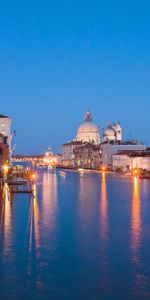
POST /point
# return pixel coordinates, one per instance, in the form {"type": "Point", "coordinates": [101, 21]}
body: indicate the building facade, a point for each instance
{"type": "Point", "coordinates": [5, 128]}
{"type": "Point", "coordinates": [131, 160]}
{"type": "Point", "coordinates": [68, 153]}
{"type": "Point", "coordinates": [87, 156]}
{"type": "Point", "coordinates": [108, 150]}
{"type": "Point", "coordinates": [4, 153]}
{"type": "Point", "coordinates": [5, 141]}
{"type": "Point", "coordinates": [87, 133]}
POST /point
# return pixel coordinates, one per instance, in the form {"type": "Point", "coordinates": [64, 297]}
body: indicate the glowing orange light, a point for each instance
{"type": "Point", "coordinates": [33, 176]}
{"type": "Point", "coordinates": [103, 168]}
{"type": "Point", "coordinates": [135, 172]}
{"type": "Point", "coordinates": [5, 168]}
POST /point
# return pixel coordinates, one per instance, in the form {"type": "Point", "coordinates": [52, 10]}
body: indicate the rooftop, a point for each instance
{"type": "Point", "coordinates": [134, 153]}
{"type": "Point", "coordinates": [3, 117]}
{"type": "Point", "coordinates": [126, 142]}
{"type": "Point", "coordinates": [73, 143]}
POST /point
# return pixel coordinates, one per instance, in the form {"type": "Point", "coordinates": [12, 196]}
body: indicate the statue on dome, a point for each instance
{"type": "Point", "coordinates": [88, 117]}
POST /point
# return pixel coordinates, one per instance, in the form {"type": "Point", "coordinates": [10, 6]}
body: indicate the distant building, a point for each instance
{"type": "Point", "coordinates": [88, 132]}
{"type": "Point", "coordinates": [87, 156]}
{"type": "Point", "coordinates": [88, 151]}
{"type": "Point", "coordinates": [109, 149]}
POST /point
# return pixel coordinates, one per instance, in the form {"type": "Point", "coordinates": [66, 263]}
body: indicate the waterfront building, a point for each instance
{"type": "Point", "coordinates": [5, 141]}
{"type": "Point", "coordinates": [131, 160]}
{"type": "Point", "coordinates": [5, 128]}
{"type": "Point", "coordinates": [88, 132]}
{"type": "Point", "coordinates": [4, 153]}
{"type": "Point", "coordinates": [109, 149]}
{"type": "Point", "coordinates": [88, 151]}
{"type": "Point", "coordinates": [87, 156]}
{"type": "Point", "coordinates": [68, 153]}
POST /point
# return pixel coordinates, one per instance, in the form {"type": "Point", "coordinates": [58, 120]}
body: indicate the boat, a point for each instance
{"type": "Point", "coordinates": [18, 181]}
{"type": "Point", "coordinates": [62, 173]}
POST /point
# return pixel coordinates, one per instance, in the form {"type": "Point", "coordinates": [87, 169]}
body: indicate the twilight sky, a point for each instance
{"type": "Point", "coordinates": [60, 58]}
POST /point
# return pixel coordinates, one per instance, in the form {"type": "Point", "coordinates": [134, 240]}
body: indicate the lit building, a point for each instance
{"type": "Point", "coordinates": [109, 149]}
{"type": "Point", "coordinates": [5, 140]}
{"type": "Point", "coordinates": [68, 153]}
{"type": "Point", "coordinates": [87, 151]}
{"type": "Point", "coordinates": [88, 132]}
{"type": "Point", "coordinates": [113, 133]}
{"type": "Point", "coordinates": [5, 126]}
{"type": "Point", "coordinates": [4, 153]}
{"type": "Point", "coordinates": [87, 156]}
{"type": "Point", "coordinates": [131, 160]}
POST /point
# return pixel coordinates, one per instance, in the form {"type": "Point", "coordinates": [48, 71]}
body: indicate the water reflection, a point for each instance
{"type": "Point", "coordinates": [139, 278]}
{"type": "Point", "coordinates": [34, 232]}
{"type": "Point", "coordinates": [104, 227]}
{"type": "Point", "coordinates": [44, 215]}
{"type": "Point", "coordinates": [87, 194]}
{"type": "Point", "coordinates": [41, 260]}
{"type": "Point", "coordinates": [34, 238]}
{"type": "Point", "coordinates": [49, 200]}
{"type": "Point", "coordinates": [135, 223]}
{"type": "Point", "coordinates": [6, 217]}
{"type": "Point", "coordinates": [103, 217]}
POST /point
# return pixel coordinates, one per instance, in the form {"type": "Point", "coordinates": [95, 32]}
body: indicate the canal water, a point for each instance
{"type": "Point", "coordinates": [82, 236]}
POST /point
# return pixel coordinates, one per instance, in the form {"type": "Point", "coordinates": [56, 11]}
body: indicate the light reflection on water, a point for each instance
{"type": "Point", "coordinates": [33, 232]}
{"type": "Point", "coordinates": [86, 196]}
{"type": "Point", "coordinates": [49, 200]}
{"type": "Point", "coordinates": [141, 286]}
{"type": "Point", "coordinates": [136, 222]}
{"type": "Point", "coordinates": [6, 221]}
{"type": "Point", "coordinates": [64, 238]}
{"type": "Point", "coordinates": [103, 216]}
{"type": "Point", "coordinates": [104, 233]}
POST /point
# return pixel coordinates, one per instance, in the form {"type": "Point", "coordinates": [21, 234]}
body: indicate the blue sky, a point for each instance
{"type": "Point", "coordinates": [60, 58]}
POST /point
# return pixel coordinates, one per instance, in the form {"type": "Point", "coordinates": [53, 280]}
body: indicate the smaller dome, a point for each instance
{"type": "Point", "coordinates": [109, 132]}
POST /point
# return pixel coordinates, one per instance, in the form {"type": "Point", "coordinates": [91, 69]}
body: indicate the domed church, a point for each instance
{"type": "Point", "coordinates": [88, 131]}
{"type": "Point", "coordinates": [113, 133]}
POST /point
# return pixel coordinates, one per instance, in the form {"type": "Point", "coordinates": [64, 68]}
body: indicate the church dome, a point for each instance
{"type": "Point", "coordinates": [88, 131]}
{"type": "Point", "coordinates": [88, 127]}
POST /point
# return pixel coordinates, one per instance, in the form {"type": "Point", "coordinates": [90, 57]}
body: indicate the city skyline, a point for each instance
{"type": "Point", "coordinates": [57, 60]}
{"type": "Point", "coordinates": [20, 149]}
